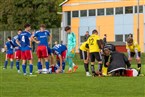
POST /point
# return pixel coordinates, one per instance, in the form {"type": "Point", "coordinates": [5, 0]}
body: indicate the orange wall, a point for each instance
{"type": "Point", "coordinates": [105, 25]}
{"type": "Point", "coordinates": [141, 32]}
{"type": "Point", "coordinates": [75, 28]}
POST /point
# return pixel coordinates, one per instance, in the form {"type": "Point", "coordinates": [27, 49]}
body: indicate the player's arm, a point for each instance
{"type": "Point", "coordinates": [30, 39]}
{"type": "Point", "coordinates": [100, 44]}
{"type": "Point", "coordinates": [52, 58]}
{"type": "Point", "coordinates": [34, 39]}
{"type": "Point", "coordinates": [136, 50]}
{"type": "Point", "coordinates": [17, 41]}
{"type": "Point", "coordinates": [50, 39]}
{"type": "Point", "coordinates": [128, 51]}
{"type": "Point", "coordinates": [5, 48]}
{"type": "Point", "coordinates": [74, 40]}
{"type": "Point", "coordinates": [60, 60]}
{"type": "Point", "coordinates": [126, 61]}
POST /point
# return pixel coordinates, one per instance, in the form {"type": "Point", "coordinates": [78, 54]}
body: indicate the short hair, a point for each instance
{"type": "Point", "coordinates": [27, 25]}
{"type": "Point", "coordinates": [43, 25]}
{"type": "Point", "coordinates": [9, 37]}
{"type": "Point", "coordinates": [130, 35]}
{"type": "Point", "coordinates": [94, 31]}
{"type": "Point", "coordinates": [67, 28]}
{"type": "Point", "coordinates": [129, 40]}
{"type": "Point", "coordinates": [19, 29]}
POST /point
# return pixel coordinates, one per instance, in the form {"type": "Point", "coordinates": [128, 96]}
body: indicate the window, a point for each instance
{"type": "Point", "coordinates": [119, 10]}
{"type": "Point", "coordinates": [68, 18]}
{"type": "Point", "coordinates": [83, 13]}
{"type": "Point", "coordinates": [92, 12]}
{"type": "Point", "coordinates": [126, 36]}
{"type": "Point", "coordinates": [119, 38]}
{"type": "Point", "coordinates": [140, 9]}
{"type": "Point", "coordinates": [129, 10]}
{"type": "Point", "coordinates": [109, 11]}
{"type": "Point", "coordinates": [75, 14]}
{"type": "Point", "coordinates": [100, 12]}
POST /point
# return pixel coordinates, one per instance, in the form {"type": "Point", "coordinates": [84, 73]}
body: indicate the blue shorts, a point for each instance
{"type": "Point", "coordinates": [49, 50]}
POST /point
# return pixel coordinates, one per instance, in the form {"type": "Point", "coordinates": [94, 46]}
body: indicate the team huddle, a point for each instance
{"type": "Point", "coordinates": [109, 60]}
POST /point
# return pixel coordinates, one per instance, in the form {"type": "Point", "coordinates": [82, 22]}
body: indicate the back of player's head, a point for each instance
{"type": "Point", "coordinates": [110, 47]}
{"type": "Point", "coordinates": [9, 37]}
{"type": "Point", "coordinates": [43, 25]}
{"type": "Point", "coordinates": [19, 29]}
{"type": "Point", "coordinates": [94, 32]}
{"type": "Point", "coordinates": [129, 40]}
{"type": "Point", "coordinates": [27, 25]}
{"type": "Point", "coordinates": [67, 28]}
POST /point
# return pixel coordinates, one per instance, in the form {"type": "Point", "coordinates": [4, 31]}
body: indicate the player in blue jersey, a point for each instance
{"type": "Point", "coordinates": [60, 51]}
{"type": "Point", "coordinates": [42, 49]}
{"type": "Point", "coordinates": [17, 54]}
{"type": "Point", "coordinates": [25, 42]}
{"type": "Point", "coordinates": [9, 52]}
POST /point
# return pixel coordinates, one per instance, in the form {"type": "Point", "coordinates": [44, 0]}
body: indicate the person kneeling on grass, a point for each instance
{"type": "Point", "coordinates": [84, 54]}
{"type": "Point", "coordinates": [115, 61]}
{"type": "Point", "coordinates": [60, 51]}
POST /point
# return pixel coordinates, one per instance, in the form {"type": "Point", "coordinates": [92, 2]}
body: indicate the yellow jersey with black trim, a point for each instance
{"type": "Point", "coordinates": [84, 47]}
{"type": "Point", "coordinates": [92, 42]}
{"type": "Point", "coordinates": [133, 47]}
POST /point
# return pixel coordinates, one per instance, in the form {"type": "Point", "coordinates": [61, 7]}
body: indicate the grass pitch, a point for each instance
{"type": "Point", "coordinates": [76, 84]}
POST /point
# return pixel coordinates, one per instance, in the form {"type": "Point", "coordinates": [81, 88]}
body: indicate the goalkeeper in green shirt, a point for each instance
{"type": "Point", "coordinates": [71, 44]}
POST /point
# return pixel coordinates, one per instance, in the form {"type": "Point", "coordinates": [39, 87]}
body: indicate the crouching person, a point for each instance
{"type": "Point", "coordinates": [115, 61]}
{"type": "Point", "coordinates": [60, 51]}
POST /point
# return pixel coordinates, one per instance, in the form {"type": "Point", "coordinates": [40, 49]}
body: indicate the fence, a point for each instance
{"type": "Point", "coordinates": [55, 32]}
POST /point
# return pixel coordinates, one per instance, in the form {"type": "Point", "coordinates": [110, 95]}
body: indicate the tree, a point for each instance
{"type": "Point", "coordinates": [15, 13]}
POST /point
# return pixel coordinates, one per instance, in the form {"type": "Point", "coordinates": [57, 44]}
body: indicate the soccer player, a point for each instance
{"type": "Point", "coordinates": [71, 44]}
{"type": "Point", "coordinates": [17, 54]}
{"type": "Point", "coordinates": [25, 42]}
{"type": "Point", "coordinates": [9, 52]}
{"type": "Point", "coordinates": [60, 50]}
{"type": "Point", "coordinates": [84, 54]}
{"type": "Point", "coordinates": [42, 49]}
{"type": "Point", "coordinates": [134, 49]}
{"type": "Point", "coordinates": [95, 49]}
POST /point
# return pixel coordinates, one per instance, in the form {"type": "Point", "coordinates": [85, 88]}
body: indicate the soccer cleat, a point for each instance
{"type": "Point", "coordinates": [88, 74]}
{"type": "Point", "coordinates": [75, 68]}
{"type": "Point", "coordinates": [69, 71]}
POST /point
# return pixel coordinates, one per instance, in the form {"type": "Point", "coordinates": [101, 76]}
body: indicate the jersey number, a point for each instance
{"type": "Point", "coordinates": [91, 41]}
{"type": "Point", "coordinates": [23, 38]}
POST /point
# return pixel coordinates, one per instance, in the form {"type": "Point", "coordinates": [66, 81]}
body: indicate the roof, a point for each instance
{"type": "Point", "coordinates": [63, 2]}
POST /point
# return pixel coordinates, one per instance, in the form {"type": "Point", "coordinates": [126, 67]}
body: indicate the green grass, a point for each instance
{"type": "Point", "coordinates": [69, 85]}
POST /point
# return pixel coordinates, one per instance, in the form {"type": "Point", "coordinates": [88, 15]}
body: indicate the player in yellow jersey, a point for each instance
{"type": "Point", "coordinates": [134, 49]}
{"type": "Point", "coordinates": [95, 49]}
{"type": "Point", "coordinates": [84, 54]}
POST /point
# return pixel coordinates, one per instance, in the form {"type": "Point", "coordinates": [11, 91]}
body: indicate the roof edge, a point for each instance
{"type": "Point", "coordinates": [63, 2]}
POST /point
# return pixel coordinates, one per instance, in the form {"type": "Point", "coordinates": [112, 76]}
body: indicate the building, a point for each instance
{"type": "Point", "coordinates": [116, 18]}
